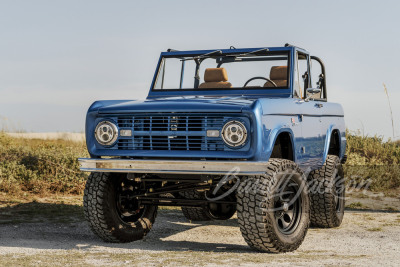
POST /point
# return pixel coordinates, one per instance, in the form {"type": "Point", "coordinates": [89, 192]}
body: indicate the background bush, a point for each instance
{"type": "Point", "coordinates": [40, 166]}
{"type": "Point", "coordinates": [372, 158]}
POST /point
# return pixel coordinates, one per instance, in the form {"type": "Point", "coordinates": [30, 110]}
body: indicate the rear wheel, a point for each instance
{"type": "Point", "coordinates": [327, 193]}
{"type": "Point", "coordinates": [112, 214]}
{"type": "Point", "coordinates": [194, 213]}
{"type": "Point", "coordinates": [273, 209]}
{"type": "Point", "coordinates": [210, 211]}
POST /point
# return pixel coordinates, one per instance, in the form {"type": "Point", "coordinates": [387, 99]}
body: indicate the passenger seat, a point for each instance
{"type": "Point", "coordinates": [215, 78]}
{"type": "Point", "coordinates": [278, 75]}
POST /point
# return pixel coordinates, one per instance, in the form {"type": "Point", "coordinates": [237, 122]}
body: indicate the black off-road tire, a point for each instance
{"type": "Point", "coordinates": [257, 214]}
{"type": "Point", "coordinates": [100, 209]}
{"type": "Point", "coordinates": [327, 193]}
{"type": "Point", "coordinates": [194, 213]}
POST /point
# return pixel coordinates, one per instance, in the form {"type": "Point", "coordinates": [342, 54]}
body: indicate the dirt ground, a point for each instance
{"type": "Point", "coordinates": [53, 233]}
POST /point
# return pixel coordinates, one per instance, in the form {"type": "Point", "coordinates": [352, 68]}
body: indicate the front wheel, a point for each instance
{"type": "Point", "coordinates": [273, 209]}
{"type": "Point", "coordinates": [111, 213]}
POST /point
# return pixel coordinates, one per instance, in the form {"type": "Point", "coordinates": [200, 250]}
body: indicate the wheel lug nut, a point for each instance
{"type": "Point", "coordinates": [285, 206]}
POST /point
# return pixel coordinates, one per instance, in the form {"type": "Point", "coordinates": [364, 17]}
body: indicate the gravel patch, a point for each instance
{"type": "Point", "coordinates": [365, 238]}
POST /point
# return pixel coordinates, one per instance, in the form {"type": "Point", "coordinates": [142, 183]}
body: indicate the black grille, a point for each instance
{"type": "Point", "coordinates": [171, 132]}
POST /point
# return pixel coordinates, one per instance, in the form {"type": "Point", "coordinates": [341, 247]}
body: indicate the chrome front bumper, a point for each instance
{"type": "Point", "coordinates": [173, 166]}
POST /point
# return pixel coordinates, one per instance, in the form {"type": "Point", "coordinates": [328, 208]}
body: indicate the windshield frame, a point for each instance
{"type": "Point", "coordinates": [236, 91]}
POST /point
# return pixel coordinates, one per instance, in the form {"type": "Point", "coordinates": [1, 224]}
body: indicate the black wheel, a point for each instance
{"type": "Point", "coordinates": [210, 211]}
{"type": "Point", "coordinates": [112, 214]}
{"type": "Point", "coordinates": [327, 193]}
{"type": "Point", "coordinates": [273, 209]}
{"type": "Point", "coordinates": [194, 213]}
{"type": "Point", "coordinates": [222, 211]}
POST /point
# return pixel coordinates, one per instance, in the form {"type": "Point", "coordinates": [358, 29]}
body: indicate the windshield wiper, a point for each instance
{"type": "Point", "coordinates": [250, 53]}
{"type": "Point", "coordinates": [204, 56]}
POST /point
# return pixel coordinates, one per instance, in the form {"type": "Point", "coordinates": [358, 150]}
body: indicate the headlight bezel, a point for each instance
{"type": "Point", "coordinates": [228, 138]}
{"type": "Point", "coordinates": [109, 125]}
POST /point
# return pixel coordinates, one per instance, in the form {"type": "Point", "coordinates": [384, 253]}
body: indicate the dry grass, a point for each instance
{"type": "Point", "coordinates": [40, 167]}
{"type": "Point", "coordinates": [50, 166]}
{"type": "Point", "coordinates": [390, 108]}
{"type": "Point", "coordinates": [373, 158]}
{"type": "Point", "coordinates": [375, 229]}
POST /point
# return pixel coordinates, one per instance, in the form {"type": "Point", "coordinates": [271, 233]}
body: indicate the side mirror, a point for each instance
{"type": "Point", "coordinates": [311, 92]}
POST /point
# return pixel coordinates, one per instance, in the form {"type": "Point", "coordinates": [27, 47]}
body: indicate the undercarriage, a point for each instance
{"type": "Point", "coordinates": [212, 193]}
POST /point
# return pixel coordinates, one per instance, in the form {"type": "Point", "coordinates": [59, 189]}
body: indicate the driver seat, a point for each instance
{"type": "Point", "coordinates": [278, 75]}
{"type": "Point", "coordinates": [215, 78]}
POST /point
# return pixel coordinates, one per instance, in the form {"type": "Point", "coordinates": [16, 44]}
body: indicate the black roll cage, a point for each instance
{"type": "Point", "coordinates": [323, 85]}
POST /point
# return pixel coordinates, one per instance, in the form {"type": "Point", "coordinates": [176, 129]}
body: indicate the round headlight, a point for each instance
{"type": "Point", "coordinates": [106, 133]}
{"type": "Point", "coordinates": [234, 133]}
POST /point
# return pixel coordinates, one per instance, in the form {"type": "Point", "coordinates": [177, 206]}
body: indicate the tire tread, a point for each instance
{"type": "Point", "coordinates": [323, 207]}
{"type": "Point", "coordinates": [255, 225]}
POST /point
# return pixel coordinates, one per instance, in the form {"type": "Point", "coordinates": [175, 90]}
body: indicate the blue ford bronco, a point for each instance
{"type": "Point", "coordinates": [246, 131]}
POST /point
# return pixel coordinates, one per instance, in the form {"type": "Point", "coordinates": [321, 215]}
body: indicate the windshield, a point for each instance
{"type": "Point", "coordinates": [263, 70]}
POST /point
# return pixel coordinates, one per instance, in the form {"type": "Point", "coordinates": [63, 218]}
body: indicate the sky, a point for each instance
{"type": "Point", "coordinates": [57, 57]}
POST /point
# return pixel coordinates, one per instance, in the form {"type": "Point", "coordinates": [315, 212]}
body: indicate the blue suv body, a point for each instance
{"type": "Point", "coordinates": [310, 128]}
{"type": "Point", "coordinates": [197, 124]}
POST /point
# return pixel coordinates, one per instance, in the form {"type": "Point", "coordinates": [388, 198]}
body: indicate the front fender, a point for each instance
{"type": "Point", "coordinates": [275, 132]}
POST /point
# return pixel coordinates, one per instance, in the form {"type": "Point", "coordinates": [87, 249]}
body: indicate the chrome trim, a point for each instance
{"type": "Point", "coordinates": [173, 166]}
{"type": "Point", "coordinates": [227, 133]}
{"type": "Point", "coordinates": [113, 128]}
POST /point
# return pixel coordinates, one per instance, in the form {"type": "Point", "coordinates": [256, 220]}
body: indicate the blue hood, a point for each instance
{"type": "Point", "coordinates": [176, 104]}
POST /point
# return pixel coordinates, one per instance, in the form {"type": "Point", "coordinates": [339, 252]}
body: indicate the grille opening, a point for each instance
{"type": "Point", "coordinates": [171, 132]}
{"type": "Point", "coordinates": [125, 122]}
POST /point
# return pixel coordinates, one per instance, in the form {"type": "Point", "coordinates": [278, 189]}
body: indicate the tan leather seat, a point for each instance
{"type": "Point", "coordinates": [215, 78]}
{"type": "Point", "coordinates": [278, 75]}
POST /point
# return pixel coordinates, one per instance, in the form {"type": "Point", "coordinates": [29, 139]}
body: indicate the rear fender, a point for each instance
{"type": "Point", "coordinates": [329, 133]}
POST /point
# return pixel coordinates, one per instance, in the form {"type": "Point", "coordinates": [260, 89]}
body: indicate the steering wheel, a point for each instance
{"type": "Point", "coordinates": [260, 78]}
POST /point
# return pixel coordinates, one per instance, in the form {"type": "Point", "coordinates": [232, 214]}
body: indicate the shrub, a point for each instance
{"type": "Point", "coordinates": [373, 158]}
{"type": "Point", "coordinates": [40, 166]}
